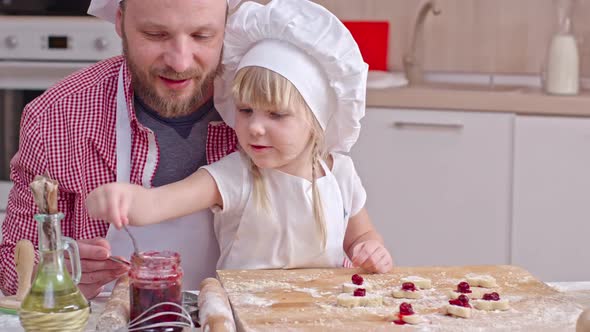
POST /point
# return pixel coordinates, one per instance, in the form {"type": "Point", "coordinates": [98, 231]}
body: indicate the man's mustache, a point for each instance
{"type": "Point", "coordinates": [174, 75]}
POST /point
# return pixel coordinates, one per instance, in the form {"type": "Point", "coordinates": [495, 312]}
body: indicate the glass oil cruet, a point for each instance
{"type": "Point", "coordinates": [54, 302]}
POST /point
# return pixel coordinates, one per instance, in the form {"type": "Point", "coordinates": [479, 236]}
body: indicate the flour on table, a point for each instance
{"type": "Point", "coordinates": [249, 299]}
{"type": "Point", "coordinates": [311, 291]}
{"type": "Point", "coordinates": [256, 286]}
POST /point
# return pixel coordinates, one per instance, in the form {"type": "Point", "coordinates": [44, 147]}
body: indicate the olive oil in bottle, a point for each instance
{"type": "Point", "coordinates": [54, 302]}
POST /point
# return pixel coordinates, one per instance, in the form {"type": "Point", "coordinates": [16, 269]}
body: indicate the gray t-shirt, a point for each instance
{"type": "Point", "coordinates": [182, 141]}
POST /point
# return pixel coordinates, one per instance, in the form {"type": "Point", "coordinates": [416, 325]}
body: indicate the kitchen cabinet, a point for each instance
{"type": "Point", "coordinates": [5, 187]}
{"type": "Point", "coordinates": [4, 191]}
{"type": "Point", "coordinates": [551, 213]}
{"type": "Point", "coordinates": [438, 184]}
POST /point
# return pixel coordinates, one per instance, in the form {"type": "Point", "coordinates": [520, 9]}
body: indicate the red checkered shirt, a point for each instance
{"type": "Point", "coordinates": [69, 133]}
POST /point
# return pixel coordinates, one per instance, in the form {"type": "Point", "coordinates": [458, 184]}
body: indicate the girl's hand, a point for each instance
{"type": "Point", "coordinates": [111, 203]}
{"type": "Point", "coordinates": [372, 256]}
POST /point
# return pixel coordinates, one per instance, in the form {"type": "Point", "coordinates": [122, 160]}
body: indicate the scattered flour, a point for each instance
{"type": "Point", "coordinates": [249, 299]}
{"type": "Point", "coordinates": [255, 286]}
{"type": "Point", "coordinates": [312, 291]}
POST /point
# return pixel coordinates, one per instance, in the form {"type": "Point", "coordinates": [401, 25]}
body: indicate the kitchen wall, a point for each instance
{"type": "Point", "coordinates": [495, 36]}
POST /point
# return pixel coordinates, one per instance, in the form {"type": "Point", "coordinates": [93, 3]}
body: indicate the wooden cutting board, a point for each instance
{"type": "Point", "coordinates": [305, 300]}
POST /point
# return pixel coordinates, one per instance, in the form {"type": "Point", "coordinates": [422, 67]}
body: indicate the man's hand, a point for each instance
{"type": "Point", "coordinates": [372, 256]}
{"type": "Point", "coordinates": [97, 269]}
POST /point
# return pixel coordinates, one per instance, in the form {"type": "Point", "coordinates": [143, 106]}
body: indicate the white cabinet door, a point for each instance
{"type": "Point", "coordinates": [2, 216]}
{"type": "Point", "coordinates": [552, 197]}
{"type": "Point", "coordinates": [438, 184]}
{"type": "Point", "coordinates": [5, 187]}
{"type": "Point", "coordinates": [4, 191]}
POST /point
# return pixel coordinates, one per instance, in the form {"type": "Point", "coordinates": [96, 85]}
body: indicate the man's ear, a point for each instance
{"type": "Point", "coordinates": [119, 22]}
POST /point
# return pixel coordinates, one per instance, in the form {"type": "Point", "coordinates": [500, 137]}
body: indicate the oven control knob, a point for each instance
{"type": "Point", "coordinates": [11, 41]}
{"type": "Point", "coordinates": [101, 43]}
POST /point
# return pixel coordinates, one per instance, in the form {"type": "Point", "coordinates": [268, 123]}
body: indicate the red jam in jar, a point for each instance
{"type": "Point", "coordinates": [155, 277]}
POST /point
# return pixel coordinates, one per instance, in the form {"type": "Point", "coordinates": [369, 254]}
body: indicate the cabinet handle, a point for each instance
{"type": "Point", "coordinates": [430, 124]}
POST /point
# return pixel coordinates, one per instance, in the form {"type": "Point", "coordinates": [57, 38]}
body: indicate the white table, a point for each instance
{"type": "Point", "coordinates": [578, 292]}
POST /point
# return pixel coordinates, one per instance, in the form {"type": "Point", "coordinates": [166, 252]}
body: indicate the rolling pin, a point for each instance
{"type": "Point", "coordinates": [215, 313]}
{"type": "Point", "coordinates": [24, 259]}
{"type": "Point", "coordinates": [583, 323]}
{"type": "Point", "coordinates": [116, 312]}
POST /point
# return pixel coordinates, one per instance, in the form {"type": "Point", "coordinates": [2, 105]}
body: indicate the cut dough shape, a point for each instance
{"type": "Point", "coordinates": [348, 300]}
{"type": "Point", "coordinates": [349, 287]}
{"type": "Point", "coordinates": [409, 319]}
{"type": "Point", "coordinates": [408, 290]}
{"type": "Point", "coordinates": [420, 282]}
{"type": "Point", "coordinates": [371, 300]}
{"type": "Point", "coordinates": [458, 311]}
{"type": "Point", "coordinates": [405, 314]}
{"type": "Point", "coordinates": [481, 280]}
{"type": "Point", "coordinates": [476, 293]}
{"type": "Point", "coordinates": [402, 294]}
{"type": "Point", "coordinates": [351, 301]}
{"type": "Point", "coordinates": [491, 305]}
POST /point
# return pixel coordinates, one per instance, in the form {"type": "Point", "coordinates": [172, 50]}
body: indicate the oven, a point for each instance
{"type": "Point", "coordinates": [41, 42]}
{"type": "Point", "coordinates": [44, 7]}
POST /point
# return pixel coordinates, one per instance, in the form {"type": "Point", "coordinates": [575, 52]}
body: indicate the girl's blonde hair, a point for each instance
{"type": "Point", "coordinates": [264, 89]}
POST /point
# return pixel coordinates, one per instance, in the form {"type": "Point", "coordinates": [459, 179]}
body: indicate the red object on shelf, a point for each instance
{"type": "Point", "coordinates": [373, 40]}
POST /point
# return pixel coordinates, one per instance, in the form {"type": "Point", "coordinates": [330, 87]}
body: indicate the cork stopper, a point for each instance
{"type": "Point", "coordinates": [45, 193]}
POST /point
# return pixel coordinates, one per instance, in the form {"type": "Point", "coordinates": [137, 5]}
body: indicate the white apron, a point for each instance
{"type": "Point", "coordinates": [192, 236]}
{"type": "Point", "coordinates": [289, 239]}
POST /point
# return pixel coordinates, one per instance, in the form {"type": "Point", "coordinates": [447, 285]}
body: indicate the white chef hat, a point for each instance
{"type": "Point", "coordinates": [309, 46]}
{"type": "Point", "coordinates": [107, 9]}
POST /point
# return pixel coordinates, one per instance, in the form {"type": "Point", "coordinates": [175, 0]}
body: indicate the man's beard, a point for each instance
{"type": "Point", "coordinates": [172, 105]}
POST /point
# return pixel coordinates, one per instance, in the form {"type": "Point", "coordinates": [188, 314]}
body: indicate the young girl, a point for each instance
{"type": "Point", "coordinates": [294, 91]}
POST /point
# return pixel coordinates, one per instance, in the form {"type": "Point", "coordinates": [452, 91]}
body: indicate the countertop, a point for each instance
{"type": "Point", "coordinates": [467, 97]}
{"type": "Point", "coordinates": [577, 291]}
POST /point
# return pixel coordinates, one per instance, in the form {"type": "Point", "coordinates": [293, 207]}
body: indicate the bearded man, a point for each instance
{"type": "Point", "coordinates": [146, 117]}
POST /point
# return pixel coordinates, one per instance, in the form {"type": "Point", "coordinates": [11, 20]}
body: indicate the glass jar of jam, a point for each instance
{"type": "Point", "coordinates": [155, 277]}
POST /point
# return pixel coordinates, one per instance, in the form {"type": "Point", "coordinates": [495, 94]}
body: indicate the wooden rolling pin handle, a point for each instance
{"type": "Point", "coordinates": [218, 323]}
{"type": "Point", "coordinates": [24, 258]}
{"type": "Point", "coordinates": [583, 324]}
{"type": "Point", "coordinates": [214, 308]}
{"type": "Point", "coordinates": [116, 312]}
